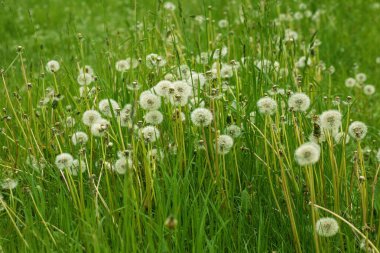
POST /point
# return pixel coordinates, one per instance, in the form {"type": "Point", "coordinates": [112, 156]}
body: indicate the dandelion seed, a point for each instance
{"type": "Point", "coordinates": [201, 117]}
{"type": "Point", "coordinates": [52, 66]}
{"type": "Point", "coordinates": [171, 222]}
{"type": "Point", "coordinates": [153, 117]}
{"type": "Point", "coordinates": [203, 58]}
{"type": "Point", "coordinates": [181, 88]}
{"type": "Point", "coordinates": [234, 131]}
{"type": "Point", "coordinates": [79, 138]}
{"type": "Point", "coordinates": [196, 80]}
{"type": "Point", "coordinates": [361, 77]}
{"type": "Point", "coordinates": [357, 130]}
{"type": "Point", "coordinates": [220, 53]}
{"type": "Point", "coordinates": [150, 134]}
{"type": "Point", "coordinates": [339, 138]}
{"type": "Point", "coordinates": [369, 89]}
{"type": "Point", "coordinates": [90, 117]}
{"type": "Point", "coordinates": [331, 120]}
{"type": "Point", "coordinates": [299, 102]}
{"type": "Point", "coordinates": [154, 60]}
{"type": "Point", "coordinates": [108, 107]}
{"type": "Point", "coordinates": [87, 69]}
{"type": "Point", "coordinates": [224, 144]}
{"type": "Point", "coordinates": [122, 164]}
{"type": "Point", "coordinates": [327, 227]}
{"type": "Point", "coordinates": [154, 155]}
{"type": "Point", "coordinates": [9, 184]}
{"type": "Point", "coordinates": [70, 122]}
{"type": "Point", "coordinates": [200, 19]}
{"type": "Point", "coordinates": [149, 101]}
{"type": "Point", "coordinates": [99, 128]}
{"type": "Point", "coordinates": [162, 88]}
{"type": "Point", "coordinates": [86, 91]}
{"type": "Point", "coordinates": [64, 161]}
{"type": "Point", "coordinates": [122, 65]}
{"type": "Point", "coordinates": [169, 6]}
{"type": "Point", "coordinates": [307, 154]}
{"type": "Point", "coordinates": [350, 82]}
{"type": "Point", "coordinates": [126, 115]}
{"type": "Point", "coordinates": [84, 79]}
{"type": "Point", "coordinates": [290, 35]}
{"type": "Point", "coordinates": [223, 23]}
{"type": "Point", "coordinates": [267, 105]}
{"type": "Point", "coordinates": [78, 166]}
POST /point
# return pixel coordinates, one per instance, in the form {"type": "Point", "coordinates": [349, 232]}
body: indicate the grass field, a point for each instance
{"type": "Point", "coordinates": [189, 126]}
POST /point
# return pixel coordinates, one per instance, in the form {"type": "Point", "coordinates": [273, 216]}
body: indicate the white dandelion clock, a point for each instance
{"type": "Point", "coordinates": [150, 134]}
{"type": "Point", "coordinates": [90, 117]}
{"type": "Point", "coordinates": [9, 184]}
{"type": "Point", "coordinates": [162, 88]}
{"type": "Point", "coordinates": [369, 89]}
{"type": "Point", "coordinates": [299, 102]}
{"type": "Point", "coordinates": [78, 166]}
{"type": "Point", "coordinates": [153, 117]}
{"type": "Point", "coordinates": [79, 138]}
{"type": "Point", "coordinates": [84, 79]}
{"type": "Point", "coordinates": [181, 88]}
{"type": "Point", "coordinates": [223, 23]}
{"type": "Point", "coordinates": [126, 115]}
{"type": "Point", "coordinates": [357, 130]}
{"type": "Point", "coordinates": [361, 77]}
{"type": "Point", "coordinates": [224, 143]}
{"type": "Point", "coordinates": [327, 227]}
{"type": "Point", "coordinates": [122, 164]}
{"type": "Point", "coordinates": [64, 161]}
{"type": "Point", "coordinates": [267, 105]}
{"type": "Point", "coordinates": [52, 66]}
{"type": "Point", "coordinates": [233, 131]}
{"type": "Point", "coordinates": [201, 117]}
{"type": "Point", "coordinates": [331, 120]}
{"type": "Point", "coordinates": [149, 101]}
{"type": "Point", "coordinates": [341, 137]}
{"type": "Point", "coordinates": [169, 6]}
{"type": "Point", "coordinates": [108, 107]}
{"type": "Point", "coordinates": [122, 65]}
{"type": "Point", "coordinates": [154, 60]}
{"type": "Point", "coordinates": [307, 154]}
{"type": "Point", "coordinates": [350, 82]}
{"type": "Point", "coordinates": [99, 128]}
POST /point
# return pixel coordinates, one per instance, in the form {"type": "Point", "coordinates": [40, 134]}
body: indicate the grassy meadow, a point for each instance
{"type": "Point", "coordinates": [189, 126]}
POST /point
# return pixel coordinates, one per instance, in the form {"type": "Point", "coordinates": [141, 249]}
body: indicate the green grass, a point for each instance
{"type": "Point", "coordinates": [256, 198]}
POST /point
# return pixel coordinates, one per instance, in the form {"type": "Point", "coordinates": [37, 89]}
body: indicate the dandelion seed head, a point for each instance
{"type": "Point", "coordinates": [357, 130]}
{"type": "Point", "coordinates": [331, 120]}
{"type": "Point", "coordinates": [369, 89]}
{"type": "Point", "coordinates": [149, 101]}
{"type": "Point", "coordinates": [79, 138]}
{"type": "Point", "coordinates": [201, 117]}
{"type": "Point", "coordinates": [78, 166]}
{"type": "Point", "coordinates": [52, 66]}
{"type": "Point", "coordinates": [90, 117]}
{"type": "Point", "coordinates": [64, 161]}
{"type": "Point", "coordinates": [150, 134]}
{"type": "Point", "coordinates": [326, 227]}
{"type": "Point", "coordinates": [307, 154]}
{"type": "Point", "coordinates": [339, 138]}
{"type": "Point", "coordinates": [224, 144]}
{"type": "Point", "coordinates": [267, 105]}
{"type": "Point", "coordinates": [9, 184]}
{"type": "Point", "coordinates": [153, 117]}
{"type": "Point", "coordinates": [299, 102]}
{"type": "Point", "coordinates": [162, 88]}
{"type": "Point", "coordinates": [233, 130]}
{"type": "Point", "coordinates": [108, 107]}
{"type": "Point", "coordinates": [350, 82]}
{"type": "Point", "coordinates": [85, 79]}
{"type": "Point", "coordinates": [122, 164]}
{"type": "Point", "coordinates": [361, 77]}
